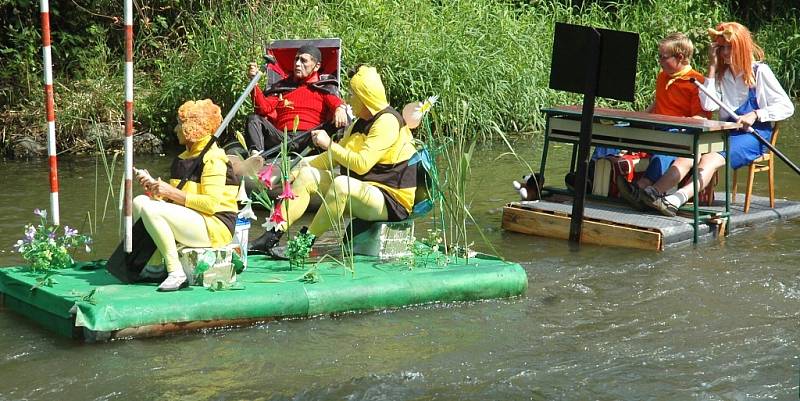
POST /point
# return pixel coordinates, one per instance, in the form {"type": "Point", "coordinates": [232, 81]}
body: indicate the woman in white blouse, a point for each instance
{"type": "Point", "coordinates": [739, 77]}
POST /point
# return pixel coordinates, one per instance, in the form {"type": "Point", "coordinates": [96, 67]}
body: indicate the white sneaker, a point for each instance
{"type": "Point", "coordinates": [173, 282]}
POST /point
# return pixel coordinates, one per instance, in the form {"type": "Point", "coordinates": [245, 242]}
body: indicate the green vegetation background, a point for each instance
{"type": "Point", "coordinates": [488, 60]}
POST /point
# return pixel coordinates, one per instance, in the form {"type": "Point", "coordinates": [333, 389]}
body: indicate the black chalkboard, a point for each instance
{"type": "Point", "coordinates": [618, 56]}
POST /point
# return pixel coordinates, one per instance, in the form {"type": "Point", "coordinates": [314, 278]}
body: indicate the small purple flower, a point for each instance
{"type": "Point", "coordinates": [40, 212]}
{"type": "Point", "coordinates": [70, 232]}
{"type": "Point", "coordinates": [30, 232]}
{"type": "Point", "coordinates": [51, 235]}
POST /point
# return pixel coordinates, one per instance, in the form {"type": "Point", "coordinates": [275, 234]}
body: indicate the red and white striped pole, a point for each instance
{"type": "Point", "coordinates": [128, 205]}
{"type": "Point", "coordinates": [44, 7]}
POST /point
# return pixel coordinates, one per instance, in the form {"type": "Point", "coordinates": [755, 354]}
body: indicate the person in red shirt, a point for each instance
{"type": "Point", "coordinates": [302, 95]}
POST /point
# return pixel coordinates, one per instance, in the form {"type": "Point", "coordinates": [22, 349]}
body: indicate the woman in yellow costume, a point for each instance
{"type": "Point", "coordinates": [376, 181]}
{"type": "Point", "coordinates": [203, 212]}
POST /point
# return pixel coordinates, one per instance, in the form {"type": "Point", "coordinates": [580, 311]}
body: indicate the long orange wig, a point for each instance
{"type": "Point", "coordinates": [743, 50]}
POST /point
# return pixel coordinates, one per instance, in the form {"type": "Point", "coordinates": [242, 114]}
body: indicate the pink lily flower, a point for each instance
{"type": "Point", "coordinates": [287, 191]}
{"type": "Point", "coordinates": [265, 176]}
{"type": "Point", "coordinates": [277, 215]}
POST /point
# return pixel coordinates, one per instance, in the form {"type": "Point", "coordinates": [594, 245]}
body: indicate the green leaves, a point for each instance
{"type": "Point", "coordinates": [46, 249]}
{"type": "Point", "coordinates": [497, 57]}
{"type": "Point", "coordinates": [298, 248]}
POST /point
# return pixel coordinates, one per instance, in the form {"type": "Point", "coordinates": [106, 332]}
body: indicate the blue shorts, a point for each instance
{"type": "Point", "coordinates": [602, 151]}
{"type": "Point", "coordinates": [659, 164]}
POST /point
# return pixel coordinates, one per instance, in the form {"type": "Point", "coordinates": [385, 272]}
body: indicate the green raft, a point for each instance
{"type": "Point", "coordinates": [88, 303]}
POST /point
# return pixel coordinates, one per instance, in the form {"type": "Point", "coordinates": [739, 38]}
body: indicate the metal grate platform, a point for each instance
{"type": "Point", "coordinates": [673, 230]}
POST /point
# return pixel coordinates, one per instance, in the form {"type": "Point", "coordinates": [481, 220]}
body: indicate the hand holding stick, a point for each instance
{"type": "Point", "coordinates": [750, 129]}
{"type": "Point", "coordinates": [144, 177]}
{"type": "Point", "coordinates": [321, 139]}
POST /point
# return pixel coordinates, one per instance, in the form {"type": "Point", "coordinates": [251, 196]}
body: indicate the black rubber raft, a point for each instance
{"type": "Point", "coordinates": [88, 303]}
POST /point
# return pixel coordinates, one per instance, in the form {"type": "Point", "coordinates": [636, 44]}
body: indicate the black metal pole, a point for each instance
{"type": "Point", "coordinates": [592, 73]}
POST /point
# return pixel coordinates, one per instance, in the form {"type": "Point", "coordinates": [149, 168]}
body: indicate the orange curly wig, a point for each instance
{"type": "Point", "coordinates": [199, 119]}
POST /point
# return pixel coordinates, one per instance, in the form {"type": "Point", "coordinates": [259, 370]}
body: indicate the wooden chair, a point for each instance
{"type": "Point", "coordinates": [764, 163]}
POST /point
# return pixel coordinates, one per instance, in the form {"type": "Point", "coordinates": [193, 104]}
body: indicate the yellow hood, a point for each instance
{"type": "Point", "coordinates": [367, 91]}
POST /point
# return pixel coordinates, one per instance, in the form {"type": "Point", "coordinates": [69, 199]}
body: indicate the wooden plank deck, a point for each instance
{"type": "Point", "coordinates": [616, 224]}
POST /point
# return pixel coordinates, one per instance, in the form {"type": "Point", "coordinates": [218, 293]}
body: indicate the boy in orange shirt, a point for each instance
{"type": "Point", "coordinates": [675, 96]}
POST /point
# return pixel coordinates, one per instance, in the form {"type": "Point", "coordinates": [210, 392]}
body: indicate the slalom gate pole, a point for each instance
{"type": "Point", "coordinates": [44, 8]}
{"type": "Point", "coordinates": [128, 201]}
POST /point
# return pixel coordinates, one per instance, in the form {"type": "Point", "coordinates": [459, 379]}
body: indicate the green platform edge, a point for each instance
{"type": "Point", "coordinates": [375, 286]}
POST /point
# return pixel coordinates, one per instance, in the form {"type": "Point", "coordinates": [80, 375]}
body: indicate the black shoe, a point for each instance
{"type": "Point", "coordinates": [569, 180]}
{"type": "Point", "coordinates": [662, 206]}
{"type": "Point", "coordinates": [649, 195]}
{"type": "Point", "coordinates": [152, 274]}
{"type": "Point", "coordinates": [630, 193]}
{"type": "Point", "coordinates": [278, 253]}
{"type": "Point", "coordinates": [265, 242]}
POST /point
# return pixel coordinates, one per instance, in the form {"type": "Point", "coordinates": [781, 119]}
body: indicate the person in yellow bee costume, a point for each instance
{"type": "Point", "coordinates": [376, 181]}
{"type": "Point", "coordinates": [203, 212]}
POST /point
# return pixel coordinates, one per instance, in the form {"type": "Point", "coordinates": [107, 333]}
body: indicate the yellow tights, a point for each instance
{"type": "Point", "coordinates": [340, 194]}
{"type": "Point", "coordinates": [168, 224]}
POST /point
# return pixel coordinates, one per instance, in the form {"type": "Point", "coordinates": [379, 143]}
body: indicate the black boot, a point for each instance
{"type": "Point", "coordinates": [266, 242]}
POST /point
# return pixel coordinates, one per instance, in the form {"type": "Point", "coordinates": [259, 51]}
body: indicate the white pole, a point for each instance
{"type": "Point", "coordinates": [716, 100]}
{"type": "Point", "coordinates": [44, 8]}
{"type": "Point", "coordinates": [239, 101]}
{"type": "Point", "coordinates": [752, 131]}
{"type": "Point", "coordinates": [128, 205]}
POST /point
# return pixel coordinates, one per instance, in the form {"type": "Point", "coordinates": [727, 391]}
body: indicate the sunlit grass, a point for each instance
{"type": "Point", "coordinates": [493, 55]}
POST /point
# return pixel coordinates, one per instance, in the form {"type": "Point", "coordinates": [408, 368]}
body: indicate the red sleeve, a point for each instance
{"type": "Point", "coordinates": [263, 105]}
{"type": "Point", "coordinates": [331, 102]}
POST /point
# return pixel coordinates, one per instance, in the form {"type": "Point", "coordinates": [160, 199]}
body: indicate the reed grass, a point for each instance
{"type": "Point", "coordinates": [450, 175]}
{"type": "Point", "coordinates": [109, 168]}
{"type": "Point", "coordinates": [784, 59]}
{"type": "Point", "coordinates": [493, 55]}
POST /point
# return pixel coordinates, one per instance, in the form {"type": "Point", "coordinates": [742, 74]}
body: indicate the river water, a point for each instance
{"type": "Point", "coordinates": [716, 321]}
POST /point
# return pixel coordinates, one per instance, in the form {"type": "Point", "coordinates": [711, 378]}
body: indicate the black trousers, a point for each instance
{"type": "Point", "coordinates": [262, 135]}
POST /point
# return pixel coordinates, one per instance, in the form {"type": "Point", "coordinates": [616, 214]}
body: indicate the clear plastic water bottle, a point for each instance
{"type": "Point", "coordinates": [240, 234]}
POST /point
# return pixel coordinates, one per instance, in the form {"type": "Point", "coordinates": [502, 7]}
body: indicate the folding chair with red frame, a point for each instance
{"type": "Point", "coordinates": [283, 52]}
{"type": "Point", "coordinates": [280, 56]}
